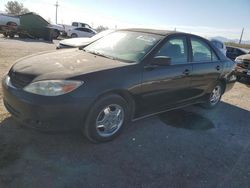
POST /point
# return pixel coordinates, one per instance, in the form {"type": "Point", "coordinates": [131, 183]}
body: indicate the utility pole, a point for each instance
{"type": "Point", "coordinates": [57, 5]}
{"type": "Point", "coordinates": [241, 35]}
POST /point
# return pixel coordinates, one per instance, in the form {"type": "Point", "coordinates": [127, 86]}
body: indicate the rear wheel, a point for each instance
{"type": "Point", "coordinates": [106, 119]}
{"type": "Point", "coordinates": [214, 97]}
{"type": "Point", "coordinates": [74, 35]}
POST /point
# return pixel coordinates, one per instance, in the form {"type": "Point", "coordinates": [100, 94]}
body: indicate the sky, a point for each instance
{"type": "Point", "coordinates": [211, 18]}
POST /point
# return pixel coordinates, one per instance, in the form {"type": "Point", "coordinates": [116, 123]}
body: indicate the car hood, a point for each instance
{"type": "Point", "coordinates": [245, 57]}
{"type": "Point", "coordinates": [76, 42]}
{"type": "Point", "coordinates": [63, 64]}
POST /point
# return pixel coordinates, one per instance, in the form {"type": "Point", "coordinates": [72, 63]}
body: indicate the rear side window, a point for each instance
{"type": "Point", "coordinates": [176, 49]}
{"type": "Point", "coordinates": [202, 52]}
{"type": "Point", "coordinates": [86, 30]}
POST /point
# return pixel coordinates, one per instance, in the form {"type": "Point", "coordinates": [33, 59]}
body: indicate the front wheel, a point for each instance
{"type": "Point", "coordinates": [238, 78]}
{"type": "Point", "coordinates": [214, 97]}
{"type": "Point", "coordinates": [106, 119]}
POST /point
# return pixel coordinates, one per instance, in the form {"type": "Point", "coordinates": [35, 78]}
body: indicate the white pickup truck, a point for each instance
{"type": "Point", "coordinates": [9, 24]}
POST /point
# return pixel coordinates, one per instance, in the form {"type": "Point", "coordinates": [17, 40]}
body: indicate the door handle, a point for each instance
{"type": "Point", "coordinates": [186, 72]}
{"type": "Point", "coordinates": [217, 67]}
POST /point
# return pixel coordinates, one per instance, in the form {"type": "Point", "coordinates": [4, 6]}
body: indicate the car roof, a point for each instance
{"type": "Point", "coordinates": [151, 31]}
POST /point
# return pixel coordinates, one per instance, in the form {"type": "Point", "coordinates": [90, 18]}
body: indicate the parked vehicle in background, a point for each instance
{"type": "Point", "coordinates": [29, 25]}
{"type": "Point", "coordinates": [81, 42]}
{"type": "Point", "coordinates": [243, 66]}
{"type": "Point", "coordinates": [81, 32]}
{"type": "Point", "coordinates": [127, 74]}
{"type": "Point", "coordinates": [220, 45]}
{"type": "Point", "coordinates": [8, 25]}
{"type": "Point", "coordinates": [74, 25]}
{"type": "Point", "coordinates": [234, 52]}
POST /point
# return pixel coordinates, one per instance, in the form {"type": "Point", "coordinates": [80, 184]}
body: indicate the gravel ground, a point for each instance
{"type": "Point", "coordinates": [190, 147]}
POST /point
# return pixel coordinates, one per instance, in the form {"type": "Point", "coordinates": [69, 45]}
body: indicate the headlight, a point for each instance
{"type": "Point", "coordinates": [52, 87]}
{"type": "Point", "coordinates": [237, 60]}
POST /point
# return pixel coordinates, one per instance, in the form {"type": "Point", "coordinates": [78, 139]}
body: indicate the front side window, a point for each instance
{"type": "Point", "coordinates": [75, 24]}
{"type": "Point", "coordinates": [202, 52]}
{"type": "Point", "coordinates": [176, 49]}
{"type": "Point", "coordinates": [126, 46]}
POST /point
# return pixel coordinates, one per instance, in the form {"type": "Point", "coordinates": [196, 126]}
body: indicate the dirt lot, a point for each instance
{"type": "Point", "coordinates": [191, 147]}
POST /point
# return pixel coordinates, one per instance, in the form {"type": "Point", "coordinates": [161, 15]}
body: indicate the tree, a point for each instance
{"type": "Point", "coordinates": [15, 8]}
{"type": "Point", "coordinates": [101, 28]}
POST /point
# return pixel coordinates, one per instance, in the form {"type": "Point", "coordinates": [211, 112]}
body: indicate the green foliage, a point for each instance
{"type": "Point", "coordinates": [246, 46]}
{"type": "Point", "coordinates": [15, 8]}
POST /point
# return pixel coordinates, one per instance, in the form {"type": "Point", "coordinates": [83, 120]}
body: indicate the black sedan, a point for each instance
{"type": "Point", "coordinates": [124, 76]}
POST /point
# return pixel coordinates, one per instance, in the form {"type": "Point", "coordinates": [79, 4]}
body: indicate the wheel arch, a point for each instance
{"type": "Point", "coordinates": [126, 95]}
{"type": "Point", "coordinates": [10, 23]}
{"type": "Point", "coordinates": [223, 82]}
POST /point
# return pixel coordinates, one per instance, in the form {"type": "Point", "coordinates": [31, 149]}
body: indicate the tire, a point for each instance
{"type": "Point", "coordinates": [11, 35]}
{"type": "Point", "coordinates": [238, 78]}
{"type": "Point", "coordinates": [56, 34]}
{"type": "Point", "coordinates": [5, 34]}
{"type": "Point", "coordinates": [22, 36]}
{"type": "Point", "coordinates": [74, 35]}
{"type": "Point", "coordinates": [214, 97]}
{"type": "Point", "coordinates": [96, 128]}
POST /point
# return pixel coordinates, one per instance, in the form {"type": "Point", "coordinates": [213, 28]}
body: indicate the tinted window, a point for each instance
{"type": "Point", "coordinates": [176, 49]}
{"type": "Point", "coordinates": [202, 51]}
{"type": "Point", "coordinates": [86, 30]}
{"type": "Point", "coordinates": [229, 49]}
{"type": "Point", "coordinates": [124, 45]}
{"type": "Point", "coordinates": [75, 24]}
{"type": "Point", "coordinates": [239, 52]}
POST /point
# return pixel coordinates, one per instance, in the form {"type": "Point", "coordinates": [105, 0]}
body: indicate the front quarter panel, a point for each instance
{"type": "Point", "coordinates": [127, 78]}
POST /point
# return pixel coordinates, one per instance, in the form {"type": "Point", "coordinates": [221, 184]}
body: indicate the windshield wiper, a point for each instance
{"type": "Point", "coordinates": [100, 54]}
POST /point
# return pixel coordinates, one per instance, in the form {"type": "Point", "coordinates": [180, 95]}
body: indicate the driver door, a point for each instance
{"type": "Point", "coordinates": [168, 85]}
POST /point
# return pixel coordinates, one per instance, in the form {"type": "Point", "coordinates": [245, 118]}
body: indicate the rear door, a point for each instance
{"type": "Point", "coordinates": [165, 86]}
{"type": "Point", "coordinates": [206, 66]}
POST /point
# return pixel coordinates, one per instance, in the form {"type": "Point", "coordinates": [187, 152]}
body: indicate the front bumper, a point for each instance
{"type": "Point", "coordinates": [242, 72]}
{"type": "Point", "coordinates": [46, 113]}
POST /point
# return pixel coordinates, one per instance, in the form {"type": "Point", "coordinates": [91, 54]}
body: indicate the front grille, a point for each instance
{"type": "Point", "coordinates": [20, 80]}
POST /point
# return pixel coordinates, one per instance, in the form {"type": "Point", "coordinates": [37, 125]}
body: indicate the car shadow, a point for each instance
{"type": "Point", "coordinates": [186, 120]}
{"type": "Point", "coordinates": [142, 149]}
{"type": "Point", "coordinates": [245, 81]}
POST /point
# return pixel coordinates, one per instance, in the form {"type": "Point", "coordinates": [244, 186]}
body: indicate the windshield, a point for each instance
{"type": "Point", "coordinates": [101, 34]}
{"type": "Point", "coordinates": [124, 45]}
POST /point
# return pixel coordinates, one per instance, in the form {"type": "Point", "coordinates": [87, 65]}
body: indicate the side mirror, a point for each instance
{"type": "Point", "coordinates": [161, 60]}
